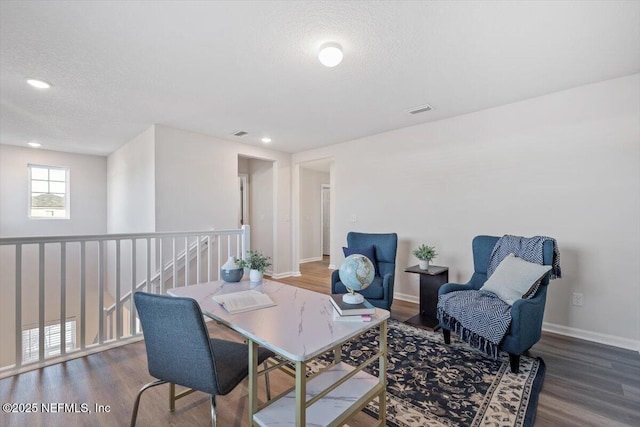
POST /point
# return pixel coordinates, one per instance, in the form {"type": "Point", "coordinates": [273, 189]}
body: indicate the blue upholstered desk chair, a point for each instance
{"type": "Point", "coordinates": [380, 292]}
{"type": "Point", "coordinates": [526, 314]}
{"type": "Point", "coordinates": [179, 349]}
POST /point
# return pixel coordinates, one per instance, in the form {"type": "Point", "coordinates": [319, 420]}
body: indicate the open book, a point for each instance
{"type": "Point", "coordinates": [239, 302]}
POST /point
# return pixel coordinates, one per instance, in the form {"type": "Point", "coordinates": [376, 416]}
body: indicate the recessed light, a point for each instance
{"type": "Point", "coordinates": [34, 144]}
{"type": "Point", "coordinates": [330, 54]}
{"type": "Point", "coordinates": [266, 140]}
{"type": "Point", "coordinates": [40, 84]}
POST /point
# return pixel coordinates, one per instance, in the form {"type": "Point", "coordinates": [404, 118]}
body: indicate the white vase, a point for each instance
{"type": "Point", "coordinates": [255, 275]}
{"type": "Point", "coordinates": [423, 264]}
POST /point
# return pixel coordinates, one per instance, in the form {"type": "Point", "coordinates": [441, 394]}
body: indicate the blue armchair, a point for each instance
{"type": "Point", "coordinates": [526, 324]}
{"type": "Point", "coordinates": [380, 292]}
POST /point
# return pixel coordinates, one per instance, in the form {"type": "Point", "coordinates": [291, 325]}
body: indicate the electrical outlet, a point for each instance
{"type": "Point", "coordinates": [354, 218]}
{"type": "Point", "coordinates": [578, 299]}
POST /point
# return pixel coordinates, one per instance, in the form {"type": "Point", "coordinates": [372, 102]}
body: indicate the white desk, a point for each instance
{"type": "Point", "coordinates": [299, 328]}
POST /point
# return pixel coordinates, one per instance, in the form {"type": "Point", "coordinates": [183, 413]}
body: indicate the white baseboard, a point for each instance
{"type": "Point", "coordinates": [612, 340]}
{"type": "Point", "coordinates": [598, 337]}
{"type": "Point", "coordinates": [332, 266]}
{"type": "Point", "coordinates": [283, 275]}
{"type": "Point", "coordinates": [406, 297]}
{"type": "Point", "coordinates": [314, 259]}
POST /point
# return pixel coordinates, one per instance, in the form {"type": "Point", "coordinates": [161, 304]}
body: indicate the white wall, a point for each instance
{"type": "Point", "coordinates": [243, 165]}
{"type": "Point", "coordinates": [197, 186]}
{"type": "Point", "coordinates": [310, 220]}
{"type": "Point", "coordinates": [564, 165]}
{"type": "Point", "coordinates": [261, 206]}
{"type": "Point", "coordinates": [131, 205]}
{"type": "Point", "coordinates": [87, 187]}
{"type": "Point", "coordinates": [196, 181]}
{"type": "Point", "coordinates": [131, 186]}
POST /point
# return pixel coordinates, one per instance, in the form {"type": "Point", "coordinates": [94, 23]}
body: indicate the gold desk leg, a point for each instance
{"type": "Point", "coordinates": [172, 397]}
{"type": "Point", "coordinates": [253, 379]}
{"type": "Point", "coordinates": [301, 393]}
{"type": "Point", "coordinates": [337, 354]}
{"type": "Point", "coordinates": [382, 374]}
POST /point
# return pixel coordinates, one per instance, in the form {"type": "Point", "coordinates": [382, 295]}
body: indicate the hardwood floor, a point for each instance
{"type": "Point", "coordinates": [586, 384]}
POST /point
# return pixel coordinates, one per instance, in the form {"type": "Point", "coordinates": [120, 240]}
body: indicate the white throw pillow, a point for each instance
{"type": "Point", "coordinates": [513, 278]}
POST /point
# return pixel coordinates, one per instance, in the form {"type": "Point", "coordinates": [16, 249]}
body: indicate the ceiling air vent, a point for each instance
{"type": "Point", "coordinates": [421, 109]}
{"type": "Point", "coordinates": [239, 133]}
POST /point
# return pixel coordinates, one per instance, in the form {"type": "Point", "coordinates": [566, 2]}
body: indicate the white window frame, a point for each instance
{"type": "Point", "coordinates": [67, 193]}
{"type": "Point", "coordinates": [31, 343]}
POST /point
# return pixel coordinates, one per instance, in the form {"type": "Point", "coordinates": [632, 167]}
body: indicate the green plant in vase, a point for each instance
{"type": "Point", "coordinates": [425, 254]}
{"type": "Point", "coordinates": [257, 263]}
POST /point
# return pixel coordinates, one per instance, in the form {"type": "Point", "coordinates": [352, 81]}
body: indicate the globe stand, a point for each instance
{"type": "Point", "coordinates": [352, 298]}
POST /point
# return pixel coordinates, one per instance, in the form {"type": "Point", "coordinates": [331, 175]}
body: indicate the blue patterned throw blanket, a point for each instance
{"type": "Point", "coordinates": [479, 317]}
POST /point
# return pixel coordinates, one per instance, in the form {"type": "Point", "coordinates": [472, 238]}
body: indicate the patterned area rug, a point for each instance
{"type": "Point", "coordinates": [431, 383]}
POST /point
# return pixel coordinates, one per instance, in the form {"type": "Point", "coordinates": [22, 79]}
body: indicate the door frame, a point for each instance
{"type": "Point", "coordinates": [244, 199]}
{"type": "Point", "coordinates": [322, 188]}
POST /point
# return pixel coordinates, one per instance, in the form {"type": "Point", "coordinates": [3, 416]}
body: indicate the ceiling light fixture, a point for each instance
{"type": "Point", "coordinates": [34, 144]}
{"type": "Point", "coordinates": [330, 54]}
{"type": "Point", "coordinates": [266, 140]}
{"type": "Point", "coordinates": [40, 84]}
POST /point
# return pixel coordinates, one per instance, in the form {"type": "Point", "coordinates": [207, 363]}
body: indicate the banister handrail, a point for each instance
{"type": "Point", "coordinates": [116, 236]}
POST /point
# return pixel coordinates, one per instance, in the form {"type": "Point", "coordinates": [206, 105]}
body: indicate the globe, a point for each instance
{"type": "Point", "coordinates": [356, 274]}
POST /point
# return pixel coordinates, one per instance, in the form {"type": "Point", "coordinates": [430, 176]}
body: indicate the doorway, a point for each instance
{"type": "Point", "coordinates": [256, 204]}
{"type": "Point", "coordinates": [314, 211]}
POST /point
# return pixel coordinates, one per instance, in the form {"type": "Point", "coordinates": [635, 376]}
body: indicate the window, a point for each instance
{"type": "Point", "coordinates": [30, 340]}
{"type": "Point", "coordinates": [48, 192]}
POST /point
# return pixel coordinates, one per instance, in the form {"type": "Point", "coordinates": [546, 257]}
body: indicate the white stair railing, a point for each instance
{"type": "Point", "coordinates": [170, 269]}
{"type": "Point", "coordinates": [44, 281]}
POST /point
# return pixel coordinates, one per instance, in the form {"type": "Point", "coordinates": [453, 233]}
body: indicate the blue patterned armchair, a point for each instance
{"type": "Point", "coordinates": [526, 324]}
{"type": "Point", "coordinates": [380, 292]}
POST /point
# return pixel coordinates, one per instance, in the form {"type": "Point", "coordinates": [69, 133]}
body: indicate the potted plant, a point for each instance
{"type": "Point", "coordinates": [425, 254]}
{"type": "Point", "coordinates": [257, 263]}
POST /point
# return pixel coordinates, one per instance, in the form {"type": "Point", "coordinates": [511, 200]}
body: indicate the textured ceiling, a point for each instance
{"type": "Point", "coordinates": [219, 67]}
